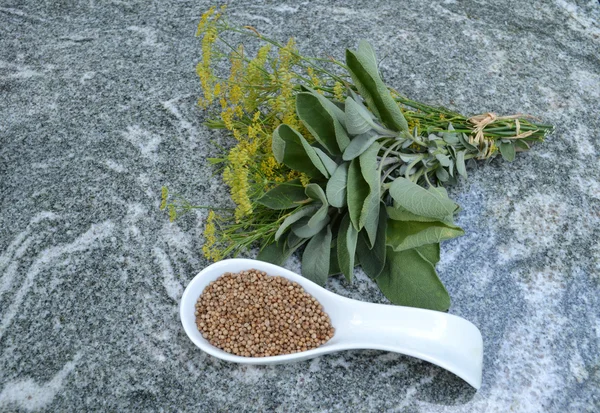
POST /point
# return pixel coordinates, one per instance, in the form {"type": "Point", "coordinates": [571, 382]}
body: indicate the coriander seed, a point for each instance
{"type": "Point", "coordinates": [253, 314]}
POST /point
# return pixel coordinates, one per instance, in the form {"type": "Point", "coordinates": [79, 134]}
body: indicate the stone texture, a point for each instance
{"type": "Point", "coordinates": [98, 112]}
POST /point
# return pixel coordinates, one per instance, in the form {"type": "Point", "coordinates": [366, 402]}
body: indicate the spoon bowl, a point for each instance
{"type": "Point", "coordinates": [448, 341]}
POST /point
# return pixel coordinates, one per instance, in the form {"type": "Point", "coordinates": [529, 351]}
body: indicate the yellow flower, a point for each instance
{"type": "Point", "coordinates": [269, 167]}
{"type": "Point", "coordinates": [313, 78]}
{"type": "Point", "coordinates": [172, 213]}
{"type": "Point", "coordinates": [304, 179]}
{"type": "Point", "coordinates": [237, 134]}
{"type": "Point", "coordinates": [255, 76]}
{"type": "Point", "coordinates": [338, 91]}
{"type": "Point", "coordinates": [227, 117]}
{"type": "Point", "coordinates": [217, 90]}
{"type": "Point", "coordinates": [210, 249]}
{"type": "Point", "coordinates": [164, 195]}
{"type": "Point", "coordinates": [204, 20]}
{"type": "Point", "coordinates": [210, 230]}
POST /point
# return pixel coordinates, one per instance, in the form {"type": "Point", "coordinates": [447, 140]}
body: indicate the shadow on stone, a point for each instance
{"type": "Point", "coordinates": [445, 389]}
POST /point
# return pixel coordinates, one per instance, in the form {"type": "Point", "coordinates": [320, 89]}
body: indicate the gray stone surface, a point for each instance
{"type": "Point", "coordinates": [97, 112]}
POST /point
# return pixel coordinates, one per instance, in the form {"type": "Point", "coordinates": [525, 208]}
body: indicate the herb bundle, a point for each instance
{"type": "Point", "coordinates": [328, 158]}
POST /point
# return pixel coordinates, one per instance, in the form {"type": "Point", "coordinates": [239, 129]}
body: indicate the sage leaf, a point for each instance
{"type": "Point", "coordinates": [358, 119]}
{"type": "Point", "coordinates": [431, 252]}
{"type": "Point", "coordinates": [284, 196]}
{"type": "Point", "coordinates": [346, 247]}
{"type": "Point", "coordinates": [334, 265]}
{"type": "Point", "coordinates": [294, 241]}
{"type": "Point", "coordinates": [316, 256]}
{"type": "Point", "coordinates": [370, 210]}
{"type": "Point", "coordinates": [521, 144]}
{"type": "Point", "coordinates": [404, 235]}
{"type": "Point", "coordinates": [296, 216]}
{"type": "Point", "coordinates": [331, 107]}
{"type": "Point", "coordinates": [507, 149]}
{"type": "Point", "coordinates": [290, 148]}
{"type": "Point", "coordinates": [302, 228]}
{"type": "Point", "coordinates": [356, 192]}
{"type": "Point", "coordinates": [372, 260]}
{"type": "Point", "coordinates": [318, 121]}
{"type": "Point", "coordinates": [409, 279]}
{"type": "Point", "coordinates": [460, 164]}
{"type": "Point", "coordinates": [328, 163]}
{"type": "Point", "coordinates": [420, 201]}
{"type": "Point", "coordinates": [442, 174]}
{"type": "Point", "coordinates": [365, 49]}
{"type": "Point", "coordinates": [364, 73]}
{"type": "Point", "coordinates": [399, 213]}
{"type": "Point", "coordinates": [464, 140]}
{"type": "Point", "coordinates": [336, 186]}
{"type": "Point", "coordinates": [443, 159]}
{"type": "Point", "coordinates": [275, 253]}
{"type": "Point", "coordinates": [314, 191]}
{"type": "Point", "coordinates": [325, 118]}
{"type": "Point", "coordinates": [360, 144]}
{"type": "Point", "coordinates": [364, 113]}
{"type": "Point", "coordinates": [278, 252]}
{"type": "Point", "coordinates": [439, 191]}
{"type": "Point", "coordinates": [450, 136]}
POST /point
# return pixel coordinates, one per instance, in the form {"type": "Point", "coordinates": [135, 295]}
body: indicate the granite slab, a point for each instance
{"type": "Point", "coordinates": [98, 111]}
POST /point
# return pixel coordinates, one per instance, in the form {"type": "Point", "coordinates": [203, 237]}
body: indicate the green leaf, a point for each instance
{"type": "Point", "coordinates": [460, 164]}
{"type": "Point", "coordinates": [522, 144]}
{"type": "Point", "coordinates": [360, 144]}
{"type": "Point", "coordinates": [507, 149]}
{"type": "Point", "coordinates": [296, 216]}
{"type": "Point", "coordinates": [465, 142]}
{"type": "Point", "coordinates": [290, 148]}
{"type": "Point", "coordinates": [328, 163]}
{"type": "Point", "coordinates": [442, 174]}
{"type": "Point", "coordinates": [275, 253]}
{"type": "Point", "coordinates": [315, 192]}
{"type": "Point", "coordinates": [284, 196]}
{"type": "Point", "coordinates": [346, 247]}
{"type": "Point", "coordinates": [358, 119]}
{"type": "Point", "coordinates": [370, 211]}
{"type": "Point", "coordinates": [364, 73]}
{"type": "Point", "coordinates": [356, 192]}
{"type": "Point", "coordinates": [398, 213]}
{"type": "Point", "coordinates": [431, 252]}
{"type": "Point", "coordinates": [404, 235]}
{"type": "Point", "coordinates": [443, 159]}
{"type": "Point", "coordinates": [294, 241]}
{"type": "Point", "coordinates": [450, 136]}
{"type": "Point", "coordinates": [365, 49]}
{"type": "Point", "coordinates": [359, 109]}
{"type": "Point", "coordinates": [335, 112]}
{"type": "Point", "coordinates": [334, 266]}
{"type": "Point", "coordinates": [372, 260]}
{"type": "Point", "coordinates": [318, 121]}
{"type": "Point", "coordinates": [409, 279]}
{"type": "Point", "coordinates": [278, 252]}
{"type": "Point", "coordinates": [420, 201]}
{"type": "Point", "coordinates": [336, 186]}
{"type": "Point", "coordinates": [304, 228]}
{"type": "Point", "coordinates": [315, 259]}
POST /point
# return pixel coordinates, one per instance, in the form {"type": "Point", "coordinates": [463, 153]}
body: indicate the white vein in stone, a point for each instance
{"type": "Point", "coordinates": [87, 240]}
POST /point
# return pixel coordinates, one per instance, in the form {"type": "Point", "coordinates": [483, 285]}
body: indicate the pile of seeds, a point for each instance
{"type": "Point", "coordinates": [253, 314]}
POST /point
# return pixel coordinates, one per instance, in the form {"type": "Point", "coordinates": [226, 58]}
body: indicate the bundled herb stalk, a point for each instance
{"type": "Point", "coordinates": [329, 158]}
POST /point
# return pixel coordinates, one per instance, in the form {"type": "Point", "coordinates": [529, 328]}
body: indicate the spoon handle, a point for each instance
{"type": "Point", "coordinates": [443, 339]}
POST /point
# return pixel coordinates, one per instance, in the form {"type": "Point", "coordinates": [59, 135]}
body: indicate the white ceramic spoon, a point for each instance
{"type": "Point", "coordinates": [448, 341]}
